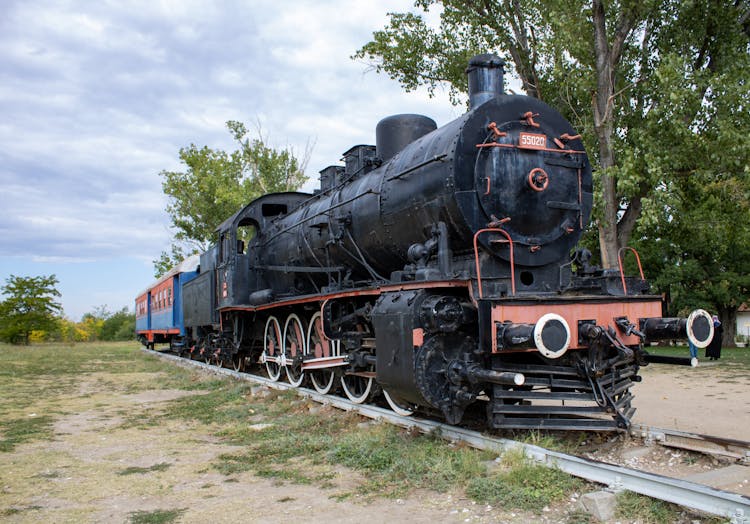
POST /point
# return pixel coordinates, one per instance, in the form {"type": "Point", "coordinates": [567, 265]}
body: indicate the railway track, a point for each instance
{"type": "Point", "coordinates": [732, 506]}
{"type": "Point", "coordinates": [737, 450]}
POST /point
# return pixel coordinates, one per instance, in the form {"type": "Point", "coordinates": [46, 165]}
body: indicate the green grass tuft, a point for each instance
{"type": "Point", "coordinates": [736, 359]}
{"type": "Point", "coordinates": [159, 516]}
{"type": "Point", "coordinates": [524, 486]}
{"type": "Point", "coordinates": [20, 430]}
{"type": "Point", "coordinates": [634, 507]}
{"type": "Point", "coordinates": [397, 461]}
{"type": "Point", "coordinates": [9, 512]}
{"type": "Point", "coordinates": [161, 466]}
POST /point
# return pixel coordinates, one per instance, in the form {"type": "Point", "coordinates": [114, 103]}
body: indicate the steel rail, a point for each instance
{"type": "Point", "coordinates": [738, 450]}
{"type": "Point", "coordinates": [682, 492]}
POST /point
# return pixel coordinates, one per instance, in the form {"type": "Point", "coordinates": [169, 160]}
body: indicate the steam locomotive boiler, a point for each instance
{"type": "Point", "coordinates": [440, 268]}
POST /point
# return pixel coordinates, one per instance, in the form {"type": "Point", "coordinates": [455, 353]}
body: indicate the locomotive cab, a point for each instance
{"type": "Point", "coordinates": [240, 273]}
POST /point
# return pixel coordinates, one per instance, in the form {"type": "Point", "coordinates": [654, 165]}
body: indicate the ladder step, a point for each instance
{"type": "Point", "coordinates": [556, 410]}
{"type": "Point", "coordinates": [543, 395]}
{"type": "Point", "coordinates": [562, 424]}
{"type": "Point", "coordinates": [556, 383]}
{"type": "Point", "coordinates": [624, 401]}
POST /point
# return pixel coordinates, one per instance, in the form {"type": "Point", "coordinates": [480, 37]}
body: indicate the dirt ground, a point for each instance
{"type": "Point", "coordinates": [82, 474]}
{"type": "Point", "coordinates": [102, 466]}
{"type": "Point", "coordinates": [705, 399]}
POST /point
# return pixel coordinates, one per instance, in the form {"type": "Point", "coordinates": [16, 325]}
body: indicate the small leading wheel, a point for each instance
{"type": "Point", "coordinates": [398, 406]}
{"type": "Point", "coordinates": [358, 388]}
{"type": "Point", "coordinates": [321, 346]}
{"type": "Point", "coordinates": [272, 348]}
{"type": "Point", "coordinates": [238, 362]}
{"type": "Point", "coordinates": [294, 349]}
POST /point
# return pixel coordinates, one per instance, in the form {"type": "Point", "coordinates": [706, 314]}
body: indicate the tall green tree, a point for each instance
{"type": "Point", "coordinates": [102, 324]}
{"type": "Point", "coordinates": [608, 66]}
{"type": "Point", "coordinates": [29, 305]}
{"type": "Point", "coordinates": [700, 252]}
{"type": "Point", "coordinates": [216, 183]}
{"type": "Point", "coordinates": [695, 234]}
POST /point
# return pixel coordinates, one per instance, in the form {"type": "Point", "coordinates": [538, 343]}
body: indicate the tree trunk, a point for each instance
{"type": "Point", "coordinates": [607, 58]}
{"type": "Point", "coordinates": [728, 319]}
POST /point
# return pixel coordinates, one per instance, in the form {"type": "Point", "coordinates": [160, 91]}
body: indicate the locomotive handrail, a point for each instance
{"type": "Point", "coordinates": [436, 158]}
{"type": "Point", "coordinates": [622, 273]}
{"type": "Point", "coordinates": [476, 258]}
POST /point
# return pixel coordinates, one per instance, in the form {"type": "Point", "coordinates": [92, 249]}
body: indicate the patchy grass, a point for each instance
{"type": "Point", "coordinates": [20, 430]}
{"type": "Point", "coordinates": [134, 470]}
{"type": "Point", "coordinates": [734, 359]}
{"type": "Point", "coordinates": [397, 461]}
{"type": "Point", "coordinates": [83, 393]}
{"type": "Point", "coordinates": [634, 507]}
{"type": "Point", "coordinates": [159, 516]}
{"type": "Point", "coordinates": [9, 512]}
{"type": "Point", "coordinates": [523, 485]}
{"type": "Point", "coordinates": [394, 461]}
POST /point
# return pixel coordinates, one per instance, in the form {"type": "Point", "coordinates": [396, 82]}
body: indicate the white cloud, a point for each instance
{"type": "Point", "coordinates": [98, 97]}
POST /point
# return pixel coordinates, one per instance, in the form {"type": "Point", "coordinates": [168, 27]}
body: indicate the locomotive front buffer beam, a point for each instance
{"type": "Point", "coordinates": [559, 329]}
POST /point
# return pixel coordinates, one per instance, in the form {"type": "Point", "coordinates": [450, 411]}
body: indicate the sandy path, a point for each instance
{"type": "Point", "coordinates": [707, 399]}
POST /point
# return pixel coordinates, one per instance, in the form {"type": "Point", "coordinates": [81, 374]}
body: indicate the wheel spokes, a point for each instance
{"type": "Point", "coordinates": [272, 348]}
{"type": "Point", "coordinates": [319, 346]}
{"type": "Point", "coordinates": [357, 388]}
{"type": "Point", "coordinates": [294, 349]}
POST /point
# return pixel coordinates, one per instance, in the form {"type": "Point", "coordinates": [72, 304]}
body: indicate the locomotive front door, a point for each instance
{"type": "Point", "coordinates": [539, 192]}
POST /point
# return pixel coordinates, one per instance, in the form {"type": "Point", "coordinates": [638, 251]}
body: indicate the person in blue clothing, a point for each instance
{"type": "Point", "coordinates": [693, 349]}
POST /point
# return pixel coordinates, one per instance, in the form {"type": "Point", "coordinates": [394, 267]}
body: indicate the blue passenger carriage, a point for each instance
{"type": "Point", "coordinates": [158, 309]}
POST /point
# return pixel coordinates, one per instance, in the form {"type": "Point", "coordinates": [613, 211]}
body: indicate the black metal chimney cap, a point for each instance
{"type": "Point", "coordinates": [485, 60]}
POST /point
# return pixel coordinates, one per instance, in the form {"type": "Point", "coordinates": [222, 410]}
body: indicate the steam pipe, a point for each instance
{"type": "Point", "coordinates": [663, 359]}
{"type": "Point", "coordinates": [444, 252]}
{"type": "Point", "coordinates": [477, 374]}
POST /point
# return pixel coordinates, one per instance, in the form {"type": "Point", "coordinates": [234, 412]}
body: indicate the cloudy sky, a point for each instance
{"type": "Point", "coordinates": [98, 97]}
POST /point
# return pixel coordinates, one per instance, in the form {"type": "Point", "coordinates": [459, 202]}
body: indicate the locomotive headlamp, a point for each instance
{"type": "Point", "coordinates": [552, 335]}
{"type": "Point", "coordinates": [700, 328]}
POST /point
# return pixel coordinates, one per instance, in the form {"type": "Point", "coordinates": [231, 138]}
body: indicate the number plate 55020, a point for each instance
{"type": "Point", "coordinates": [532, 141]}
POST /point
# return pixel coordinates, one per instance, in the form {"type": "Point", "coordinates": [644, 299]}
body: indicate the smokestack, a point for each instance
{"type": "Point", "coordinates": [485, 78]}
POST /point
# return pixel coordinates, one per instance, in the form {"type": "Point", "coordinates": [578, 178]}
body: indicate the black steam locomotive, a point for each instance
{"type": "Point", "coordinates": [438, 267]}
